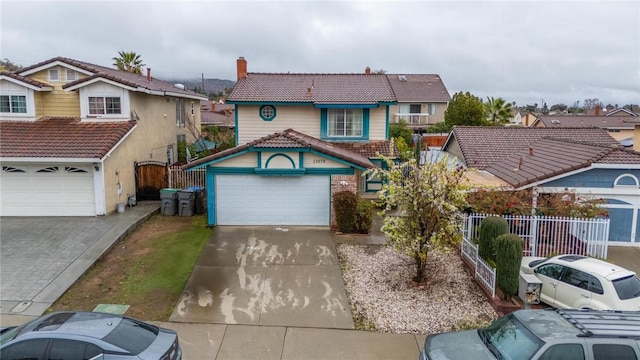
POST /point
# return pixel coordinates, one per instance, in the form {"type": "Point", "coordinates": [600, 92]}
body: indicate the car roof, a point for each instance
{"type": "Point", "coordinates": [90, 324]}
{"type": "Point", "coordinates": [546, 325]}
{"type": "Point", "coordinates": [593, 266]}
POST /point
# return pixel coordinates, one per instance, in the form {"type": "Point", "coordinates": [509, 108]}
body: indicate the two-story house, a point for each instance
{"type": "Point", "coordinates": [299, 139]}
{"type": "Point", "coordinates": [421, 99]}
{"type": "Point", "coordinates": [71, 134]}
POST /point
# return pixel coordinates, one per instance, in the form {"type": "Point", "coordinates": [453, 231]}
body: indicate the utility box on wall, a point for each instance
{"type": "Point", "coordinates": [529, 289]}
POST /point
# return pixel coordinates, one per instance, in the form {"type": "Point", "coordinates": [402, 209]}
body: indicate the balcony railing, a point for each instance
{"type": "Point", "coordinates": [412, 119]}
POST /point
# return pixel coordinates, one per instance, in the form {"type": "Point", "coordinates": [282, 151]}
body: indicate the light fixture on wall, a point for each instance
{"type": "Point", "coordinates": [96, 166]}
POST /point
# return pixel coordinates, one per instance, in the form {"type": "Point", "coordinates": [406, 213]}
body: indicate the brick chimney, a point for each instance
{"type": "Point", "coordinates": [367, 70]}
{"type": "Point", "coordinates": [149, 74]}
{"type": "Point", "coordinates": [242, 68]}
{"type": "Point", "coordinates": [213, 106]}
{"type": "Point", "coordinates": [598, 110]}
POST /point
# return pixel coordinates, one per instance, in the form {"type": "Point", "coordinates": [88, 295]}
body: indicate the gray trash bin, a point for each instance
{"type": "Point", "coordinates": [169, 201]}
{"type": "Point", "coordinates": [186, 202]}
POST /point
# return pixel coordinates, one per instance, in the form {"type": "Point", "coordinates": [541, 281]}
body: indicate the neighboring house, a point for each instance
{"type": "Point", "coordinates": [516, 119]}
{"type": "Point", "coordinates": [422, 99]}
{"type": "Point", "coordinates": [621, 112]}
{"type": "Point", "coordinates": [582, 160]}
{"type": "Point", "coordinates": [71, 134]}
{"type": "Point", "coordinates": [614, 125]}
{"type": "Point", "coordinates": [299, 139]}
{"type": "Point", "coordinates": [216, 114]}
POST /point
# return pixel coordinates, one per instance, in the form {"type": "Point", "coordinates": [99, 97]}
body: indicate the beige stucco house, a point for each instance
{"type": "Point", "coordinates": [71, 134]}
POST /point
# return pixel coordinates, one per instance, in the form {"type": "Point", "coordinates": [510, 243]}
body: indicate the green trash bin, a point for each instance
{"type": "Point", "coordinates": [169, 201]}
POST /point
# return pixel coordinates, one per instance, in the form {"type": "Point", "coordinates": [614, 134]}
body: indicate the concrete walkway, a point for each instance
{"type": "Point", "coordinates": [41, 257]}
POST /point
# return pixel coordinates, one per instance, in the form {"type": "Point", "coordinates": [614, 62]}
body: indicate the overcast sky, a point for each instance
{"type": "Point", "coordinates": [526, 52]}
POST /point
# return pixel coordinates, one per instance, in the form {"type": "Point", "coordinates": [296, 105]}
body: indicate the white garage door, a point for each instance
{"type": "Point", "coordinates": [265, 200]}
{"type": "Point", "coordinates": [47, 190]}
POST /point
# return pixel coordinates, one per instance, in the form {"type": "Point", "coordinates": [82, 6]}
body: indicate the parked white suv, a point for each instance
{"type": "Point", "coordinates": [580, 282]}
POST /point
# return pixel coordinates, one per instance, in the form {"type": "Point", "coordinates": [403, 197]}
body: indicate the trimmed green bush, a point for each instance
{"type": "Point", "coordinates": [345, 205]}
{"type": "Point", "coordinates": [490, 228]}
{"type": "Point", "coordinates": [508, 257]}
{"type": "Point", "coordinates": [363, 216]}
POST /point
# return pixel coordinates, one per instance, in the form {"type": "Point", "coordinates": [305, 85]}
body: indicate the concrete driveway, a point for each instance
{"type": "Point", "coordinates": [280, 276]}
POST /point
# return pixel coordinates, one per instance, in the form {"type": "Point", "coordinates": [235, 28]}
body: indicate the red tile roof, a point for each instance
{"type": "Point", "coordinates": [61, 138]}
{"type": "Point", "coordinates": [119, 76]}
{"type": "Point", "coordinates": [482, 146]}
{"type": "Point", "coordinates": [25, 79]}
{"type": "Point", "coordinates": [289, 139]}
{"type": "Point", "coordinates": [371, 149]}
{"type": "Point", "coordinates": [313, 88]}
{"type": "Point", "coordinates": [418, 88]}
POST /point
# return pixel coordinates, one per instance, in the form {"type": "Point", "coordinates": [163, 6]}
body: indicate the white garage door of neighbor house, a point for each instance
{"type": "Point", "coordinates": [47, 190]}
{"type": "Point", "coordinates": [266, 200]}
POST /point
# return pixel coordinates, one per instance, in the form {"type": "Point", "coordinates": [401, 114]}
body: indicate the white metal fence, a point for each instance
{"type": "Point", "coordinates": [546, 235]}
{"type": "Point", "coordinates": [180, 179]}
{"type": "Point", "coordinates": [483, 272]}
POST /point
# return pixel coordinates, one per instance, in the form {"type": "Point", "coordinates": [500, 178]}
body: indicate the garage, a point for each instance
{"type": "Point", "coordinates": [47, 190]}
{"type": "Point", "coordinates": [272, 200]}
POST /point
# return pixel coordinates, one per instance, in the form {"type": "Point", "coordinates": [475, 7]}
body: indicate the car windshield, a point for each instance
{"type": "Point", "coordinates": [537, 262]}
{"type": "Point", "coordinates": [511, 339]}
{"type": "Point", "coordinates": [10, 332]}
{"type": "Point", "coordinates": [133, 336]}
{"type": "Point", "coordinates": [627, 287]}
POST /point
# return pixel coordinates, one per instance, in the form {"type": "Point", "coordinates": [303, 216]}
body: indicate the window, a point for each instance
{"type": "Point", "coordinates": [576, 278]}
{"type": "Point", "coordinates": [193, 109]}
{"type": "Point", "coordinates": [101, 105]}
{"type": "Point", "coordinates": [613, 351]}
{"type": "Point", "coordinates": [551, 270]}
{"type": "Point", "coordinates": [180, 113]}
{"type": "Point", "coordinates": [73, 350]}
{"type": "Point", "coordinates": [267, 112]}
{"type": "Point", "coordinates": [15, 104]}
{"type": "Point", "coordinates": [132, 335]}
{"type": "Point", "coordinates": [564, 352]}
{"type": "Point", "coordinates": [181, 138]}
{"type": "Point", "coordinates": [628, 287]}
{"type": "Point", "coordinates": [345, 122]}
{"type": "Point", "coordinates": [54, 75]}
{"type": "Point", "coordinates": [431, 108]}
{"type": "Point", "coordinates": [28, 349]}
{"type": "Point", "coordinates": [72, 75]}
{"type": "Point", "coordinates": [11, 169]}
{"type": "Point", "coordinates": [51, 169]}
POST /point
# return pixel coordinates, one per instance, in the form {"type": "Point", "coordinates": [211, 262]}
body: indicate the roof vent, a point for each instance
{"type": "Point", "coordinates": [402, 78]}
{"type": "Point", "coordinates": [179, 86]}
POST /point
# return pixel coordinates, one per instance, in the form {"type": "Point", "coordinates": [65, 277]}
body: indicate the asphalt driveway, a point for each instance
{"type": "Point", "coordinates": [280, 276]}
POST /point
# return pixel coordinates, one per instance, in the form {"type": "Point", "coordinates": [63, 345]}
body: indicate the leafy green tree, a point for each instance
{"type": "Point", "coordinates": [429, 199]}
{"type": "Point", "coordinates": [464, 109]}
{"type": "Point", "coordinates": [7, 65]}
{"type": "Point", "coordinates": [128, 61]}
{"type": "Point", "coordinates": [401, 134]}
{"type": "Point", "coordinates": [497, 111]}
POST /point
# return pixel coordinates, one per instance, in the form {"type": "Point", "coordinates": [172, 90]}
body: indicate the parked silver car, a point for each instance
{"type": "Point", "coordinates": [580, 282]}
{"type": "Point", "coordinates": [88, 336]}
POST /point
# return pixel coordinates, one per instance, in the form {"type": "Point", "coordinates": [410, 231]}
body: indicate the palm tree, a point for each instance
{"type": "Point", "coordinates": [129, 61]}
{"type": "Point", "coordinates": [498, 111]}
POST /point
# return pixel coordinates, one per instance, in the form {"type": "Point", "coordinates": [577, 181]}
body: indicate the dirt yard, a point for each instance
{"type": "Point", "coordinates": [107, 281]}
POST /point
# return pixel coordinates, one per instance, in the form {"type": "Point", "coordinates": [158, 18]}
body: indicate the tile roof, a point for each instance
{"type": "Point", "coordinates": [481, 146]}
{"type": "Point", "coordinates": [61, 138]}
{"type": "Point", "coordinates": [289, 139]}
{"type": "Point", "coordinates": [324, 88]}
{"type": "Point", "coordinates": [574, 121]}
{"type": "Point", "coordinates": [217, 118]}
{"type": "Point", "coordinates": [418, 88]}
{"type": "Point", "coordinates": [25, 79]}
{"type": "Point", "coordinates": [370, 149]}
{"type": "Point", "coordinates": [620, 110]}
{"type": "Point", "coordinates": [119, 76]}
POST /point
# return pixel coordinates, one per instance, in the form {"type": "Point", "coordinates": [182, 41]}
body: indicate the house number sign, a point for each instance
{"type": "Point", "coordinates": [318, 161]}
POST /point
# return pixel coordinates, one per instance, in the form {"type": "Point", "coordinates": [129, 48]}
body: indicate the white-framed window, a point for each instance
{"type": "Point", "coordinates": [344, 122]}
{"type": "Point", "coordinates": [180, 113]}
{"type": "Point", "coordinates": [193, 109]}
{"type": "Point", "coordinates": [72, 75]}
{"type": "Point", "coordinates": [105, 105]}
{"type": "Point", "coordinates": [54, 75]}
{"type": "Point", "coordinates": [13, 104]}
{"type": "Point", "coordinates": [431, 109]}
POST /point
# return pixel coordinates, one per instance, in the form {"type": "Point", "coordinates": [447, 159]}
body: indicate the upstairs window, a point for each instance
{"type": "Point", "coordinates": [54, 75]}
{"type": "Point", "coordinates": [104, 105]}
{"type": "Point", "coordinates": [14, 104]}
{"type": "Point", "coordinates": [180, 113]}
{"type": "Point", "coordinates": [72, 75]}
{"type": "Point", "coordinates": [345, 122]}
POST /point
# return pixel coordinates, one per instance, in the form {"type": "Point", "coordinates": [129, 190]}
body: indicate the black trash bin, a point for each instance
{"type": "Point", "coordinates": [185, 202]}
{"type": "Point", "coordinates": [169, 201]}
{"type": "Point", "coordinates": [199, 199]}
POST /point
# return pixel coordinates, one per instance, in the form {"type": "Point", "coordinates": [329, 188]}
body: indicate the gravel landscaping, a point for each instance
{"type": "Point", "coordinates": [384, 298]}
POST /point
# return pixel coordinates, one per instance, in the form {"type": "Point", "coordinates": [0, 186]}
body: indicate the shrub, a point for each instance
{"type": "Point", "coordinates": [345, 204]}
{"type": "Point", "coordinates": [363, 217]}
{"type": "Point", "coordinates": [490, 228]}
{"type": "Point", "coordinates": [508, 258]}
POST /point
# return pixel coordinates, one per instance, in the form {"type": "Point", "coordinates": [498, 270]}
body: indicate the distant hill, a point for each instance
{"type": "Point", "coordinates": [212, 86]}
